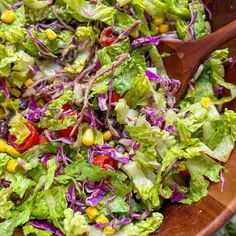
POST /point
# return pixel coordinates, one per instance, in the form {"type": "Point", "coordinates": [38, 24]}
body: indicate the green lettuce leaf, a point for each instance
{"type": "Point", "coordinates": [14, 32]}
{"type": "Point", "coordinates": [143, 228]}
{"type": "Point", "coordinates": [199, 168]}
{"type": "Point", "coordinates": [203, 86]}
{"type": "Point", "coordinates": [29, 229]}
{"type": "Point", "coordinates": [86, 36]}
{"type": "Point", "coordinates": [6, 4]}
{"type": "Point", "coordinates": [74, 223]}
{"type": "Point", "coordinates": [55, 124]}
{"type": "Point", "coordinates": [50, 204]}
{"type": "Point", "coordinates": [4, 159]}
{"type": "Point", "coordinates": [6, 206]}
{"type": "Point", "coordinates": [55, 106]}
{"type": "Point", "coordinates": [141, 183]}
{"type": "Point", "coordinates": [84, 11]}
{"type": "Point", "coordinates": [36, 4]}
{"type": "Point", "coordinates": [81, 170]}
{"type": "Point", "coordinates": [230, 121]}
{"type": "Point", "coordinates": [18, 129]}
{"type": "Point", "coordinates": [52, 166]}
{"type": "Point", "coordinates": [140, 92]}
{"type": "Point", "coordinates": [201, 25]}
{"type": "Point", "coordinates": [19, 183]}
{"type": "Point", "coordinates": [182, 29]}
{"type": "Point", "coordinates": [118, 205]}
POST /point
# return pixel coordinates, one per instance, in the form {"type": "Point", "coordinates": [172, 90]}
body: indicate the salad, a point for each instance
{"type": "Point", "coordinates": [92, 139]}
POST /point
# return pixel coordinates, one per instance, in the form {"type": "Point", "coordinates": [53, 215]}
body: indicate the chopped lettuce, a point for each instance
{"type": "Point", "coordinates": [74, 223]}
{"type": "Point", "coordinates": [14, 32]}
{"type": "Point", "coordinates": [201, 25]}
{"type": "Point", "coordinates": [199, 168]}
{"type": "Point", "coordinates": [18, 128]}
{"type": "Point", "coordinates": [29, 229]}
{"type": "Point", "coordinates": [84, 11]}
{"type": "Point", "coordinates": [5, 205]}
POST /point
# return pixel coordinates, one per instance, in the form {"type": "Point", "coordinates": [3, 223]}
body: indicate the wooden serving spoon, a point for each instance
{"type": "Point", "coordinates": [186, 56]}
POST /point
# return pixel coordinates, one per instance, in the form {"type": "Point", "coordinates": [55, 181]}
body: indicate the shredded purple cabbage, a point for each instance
{"type": "Point", "coordinates": [4, 183]}
{"type": "Point", "coordinates": [46, 226]}
{"type": "Point", "coordinates": [65, 140]}
{"type": "Point", "coordinates": [170, 129]}
{"type": "Point", "coordinates": [102, 102]}
{"type": "Point", "coordinates": [61, 157]}
{"type": "Point", "coordinates": [108, 150]}
{"type": "Point", "coordinates": [72, 197]}
{"type": "Point", "coordinates": [177, 196]}
{"type": "Point", "coordinates": [3, 85]}
{"type": "Point", "coordinates": [96, 196]}
{"type": "Point", "coordinates": [171, 85]}
{"type": "Point", "coordinates": [146, 40]}
{"type": "Point", "coordinates": [220, 90]}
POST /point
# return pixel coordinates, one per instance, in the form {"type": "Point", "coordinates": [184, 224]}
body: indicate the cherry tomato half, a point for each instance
{"type": "Point", "coordinates": [107, 37]}
{"type": "Point", "coordinates": [66, 132]}
{"type": "Point", "coordinates": [115, 97]}
{"type": "Point", "coordinates": [104, 162]}
{"type": "Point", "coordinates": [30, 141]}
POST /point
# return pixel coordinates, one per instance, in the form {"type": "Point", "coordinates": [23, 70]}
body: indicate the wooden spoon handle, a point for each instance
{"type": "Point", "coordinates": [217, 38]}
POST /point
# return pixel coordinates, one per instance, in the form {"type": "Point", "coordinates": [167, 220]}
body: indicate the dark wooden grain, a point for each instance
{"type": "Point", "coordinates": [186, 56]}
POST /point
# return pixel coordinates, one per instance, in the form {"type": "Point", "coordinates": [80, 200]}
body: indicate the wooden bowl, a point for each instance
{"type": "Point", "coordinates": [206, 217]}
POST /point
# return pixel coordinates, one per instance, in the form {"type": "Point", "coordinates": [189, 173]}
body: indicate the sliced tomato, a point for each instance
{"type": "Point", "coordinates": [66, 132]}
{"type": "Point", "coordinates": [104, 162]}
{"type": "Point", "coordinates": [66, 107]}
{"type": "Point", "coordinates": [43, 138]}
{"type": "Point", "coordinates": [30, 141]}
{"type": "Point", "coordinates": [107, 37]}
{"type": "Point", "coordinates": [115, 97]}
{"type": "Point", "coordinates": [185, 173]}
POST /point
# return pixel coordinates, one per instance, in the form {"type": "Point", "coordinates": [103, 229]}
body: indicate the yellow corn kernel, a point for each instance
{"type": "Point", "coordinates": [28, 82]}
{"type": "Point", "coordinates": [11, 150]}
{"type": "Point", "coordinates": [15, 92]}
{"type": "Point", "coordinates": [92, 212]}
{"type": "Point", "coordinates": [2, 145]}
{"type": "Point", "coordinates": [107, 135]}
{"type": "Point", "coordinates": [135, 34]}
{"type": "Point", "coordinates": [159, 20]}
{"type": "Point", "coordinates": [164, 28]}
{"type": "Point", "coordinates": [88, 137]}
{"type": "Point", "coordinates": [11, 165]}
{"type": "Point", "coordinates": [8, 17]}
{"type": "Point", "coordinates": [51, 34]}
{"type": "Point", "coordinates": [206, 102]}
{"type": "Point", "coordinates": [108, 230]}
{"type": "Point", "coordinates": [101, 219]}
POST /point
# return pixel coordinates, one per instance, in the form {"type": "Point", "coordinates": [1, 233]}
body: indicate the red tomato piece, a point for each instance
{"type": "Point", "coordinates": [30, 141]}
{"type": "Point", "coordinates": [185, 173]}
{"type": "Point", "coordinates": [66, 132]}
{"type": "Point", "coordinates": [107, 37]}
{"type": "Point", "coordinates": [115, 97]}
{"type": "Point", "coordinates": [104, 162]}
